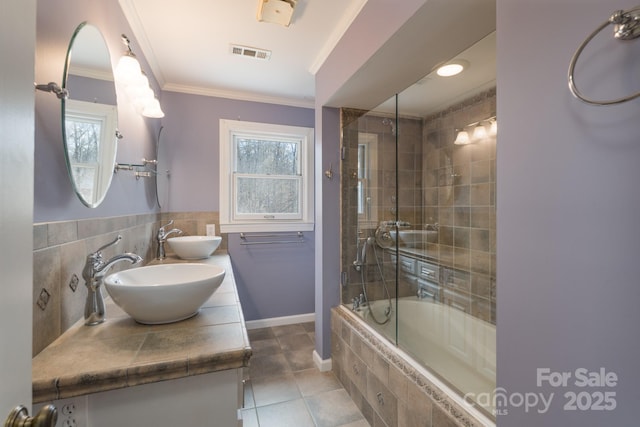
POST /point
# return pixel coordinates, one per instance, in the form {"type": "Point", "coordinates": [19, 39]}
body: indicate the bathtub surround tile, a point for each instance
{"type": "Point", "coordinates": [409, 400]}
{"type": "Point", "coordinates": [382, 400]}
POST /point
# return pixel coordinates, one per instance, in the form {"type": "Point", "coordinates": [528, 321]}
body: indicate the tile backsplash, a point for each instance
{"type": "Point", "coordinates": [60, 250]}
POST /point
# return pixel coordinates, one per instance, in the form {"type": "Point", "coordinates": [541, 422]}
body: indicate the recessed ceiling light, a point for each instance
{"type": "Point", "coordinates": [452, 68]}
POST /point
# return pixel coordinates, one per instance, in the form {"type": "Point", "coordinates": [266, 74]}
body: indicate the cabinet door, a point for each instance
{"type": "Point", "coordinates": [200, 400]}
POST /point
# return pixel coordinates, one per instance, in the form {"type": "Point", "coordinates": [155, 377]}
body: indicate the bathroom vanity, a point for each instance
{"type": "Point", "coordinates": [187, 373]}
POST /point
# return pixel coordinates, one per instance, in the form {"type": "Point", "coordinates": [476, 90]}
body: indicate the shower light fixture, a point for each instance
{"type": "Point", "coordinates": [452, 68]}
{"type": "Point", "coordinates": [462, 138]}
{"type": "Point", "coordinates": [479, 132]}
{"type": "Point", "coordinates": [136, 84]}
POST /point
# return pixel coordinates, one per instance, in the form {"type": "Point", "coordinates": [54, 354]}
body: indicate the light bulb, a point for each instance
{"type": "Point", "coordinates": [479, 132]}
{"type": "Point", "coordinates": [462, 138]}
{"type": "Point", "coordinates": [152, 109]}
{"type": "Point", "coordinates": [128, 69]}
{"type": "Point", "coordinates": [493, 129]}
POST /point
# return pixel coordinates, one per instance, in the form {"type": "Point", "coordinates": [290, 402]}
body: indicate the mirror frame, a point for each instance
{"type": "Point", "coordinates": [104, 114]}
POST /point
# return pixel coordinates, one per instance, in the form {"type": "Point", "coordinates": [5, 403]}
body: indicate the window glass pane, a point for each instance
{"type": "Point", "coordinates": [267, 195]}
{"type": "Point", "coordinates": [267, 157]}
{"type": "Point", "coordinates": [83, 140]}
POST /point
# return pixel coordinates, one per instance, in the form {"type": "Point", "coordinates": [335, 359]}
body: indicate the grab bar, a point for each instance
{"type": "Point", "coordinates": [245, 242]}
{"type": "Point", "coordinates": [626, 27]}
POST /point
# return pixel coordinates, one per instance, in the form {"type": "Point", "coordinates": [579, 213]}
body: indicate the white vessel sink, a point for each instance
{"type": "Point", "coordinates": [415, 238]}
{"type": "Point", "coordinates": [194, 247]}
{"type": "Point", "coordinates": [164, 293]}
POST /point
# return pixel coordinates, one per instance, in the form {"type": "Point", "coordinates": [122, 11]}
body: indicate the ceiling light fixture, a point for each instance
{"type": "Point", "coordinates": [452, 68]}
{"type": "Point", "coordinates": [136, 84]}
{"type": "Point", "coordinates": [276, 11]}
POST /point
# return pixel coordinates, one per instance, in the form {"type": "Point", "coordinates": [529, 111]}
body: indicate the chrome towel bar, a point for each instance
{"type": "Point", "coordinates": [274, 238]}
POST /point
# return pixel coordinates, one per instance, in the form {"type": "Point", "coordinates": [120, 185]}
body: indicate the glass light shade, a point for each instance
{"type": "Point", "coordinates": [462, 138]}
{"type": "Point", "coordinates": [139, 92]}
{"type": "Point", "coordinates": [479, 132]}
{"type": "Point", "coordinates": [493, 129]}
{"type": "Point", "coordinates": [152, 109]}
{"type": "Point", "coordinates": [128, 69]}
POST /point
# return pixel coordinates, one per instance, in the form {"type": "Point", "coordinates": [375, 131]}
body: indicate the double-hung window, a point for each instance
{"type": "Point", "coordinates": [266, 179]}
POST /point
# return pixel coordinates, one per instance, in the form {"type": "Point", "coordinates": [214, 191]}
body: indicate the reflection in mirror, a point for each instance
{"type": "Point", "coordinates": [90, 116]}
{"type": "Point", "coordinates": [162, 172]}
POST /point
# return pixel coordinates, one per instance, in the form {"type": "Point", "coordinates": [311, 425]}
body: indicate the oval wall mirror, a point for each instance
{"type": "Point", "coordinates": [162, 172]}
{"type": "Point", "coordinates": [89, 115]}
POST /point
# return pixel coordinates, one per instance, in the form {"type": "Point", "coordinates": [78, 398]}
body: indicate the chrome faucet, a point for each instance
{"type": "Point", "coordinates": [95, 269]}
{"type": "Point", "coordinates": [357, 302]}
{"type": "Point", "coordinates": [162, 236]}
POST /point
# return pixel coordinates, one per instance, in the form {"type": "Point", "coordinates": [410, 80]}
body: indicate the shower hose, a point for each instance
{"type": "Point", "coordinates": [387, 311]}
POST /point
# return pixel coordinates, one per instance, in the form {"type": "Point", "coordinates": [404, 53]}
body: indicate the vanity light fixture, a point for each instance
{"type": "Point", "coordinates": [136, 84]}
{"type": "Point", "coordinates": [479, 132]}
{"type": "Point", "coordinates": [462, 138]}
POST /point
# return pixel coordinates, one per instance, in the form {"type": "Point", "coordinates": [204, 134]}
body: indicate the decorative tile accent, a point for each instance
{"type": "Point", "coordinates": [60, 249]}
{"type": "Point", "coordinates": [73, 283]}
{"type": "Point", "coordinates": [43, 299]}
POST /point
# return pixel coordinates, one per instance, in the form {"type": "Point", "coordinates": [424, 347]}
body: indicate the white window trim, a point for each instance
{"type": "Point", "coordinates": [369, 219]}
{"type": "Point", "coordinates": [230, 225]}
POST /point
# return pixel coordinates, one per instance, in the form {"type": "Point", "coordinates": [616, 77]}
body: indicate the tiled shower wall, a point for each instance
{"type": "Point", "coordinates": [60, 250]}
{"type": "Point", "coordinates": [438, 182]}
{"type": "Point", "coordinates": [459, 187]}
{"type": "Point", "coordinates": [384, 196]}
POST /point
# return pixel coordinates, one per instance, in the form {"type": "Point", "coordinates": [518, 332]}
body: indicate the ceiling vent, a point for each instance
{"type": "Point", "coordinates": [251, 52]}
{"type": "Point", "coordinates": [276, 11]}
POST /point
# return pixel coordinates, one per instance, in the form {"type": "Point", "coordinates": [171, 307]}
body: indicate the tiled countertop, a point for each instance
{"type": "Point", "coordinates": [122, 353]}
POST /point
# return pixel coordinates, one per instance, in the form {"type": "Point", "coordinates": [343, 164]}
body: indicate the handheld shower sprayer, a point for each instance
{"type": "Point", "coordinates": [361, 252]}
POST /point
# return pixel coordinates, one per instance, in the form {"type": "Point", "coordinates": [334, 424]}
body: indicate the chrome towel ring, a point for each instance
{"type": "Point", "coordinates": [626, 26]}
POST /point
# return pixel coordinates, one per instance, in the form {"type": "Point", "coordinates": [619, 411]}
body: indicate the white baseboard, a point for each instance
{"type": "Point", "coordinates": [280, 321]}
{"type": "Point", "coordinates": [322, 365]}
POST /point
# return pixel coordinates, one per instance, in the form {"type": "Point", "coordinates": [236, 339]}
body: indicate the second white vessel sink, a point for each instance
{"type": "Point", "coordinates": [194, 247]}
{"type": "Point", "coordinates": [164, 293]}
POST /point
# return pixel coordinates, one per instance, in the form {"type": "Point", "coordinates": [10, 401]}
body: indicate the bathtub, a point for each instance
{"type": "Point", "coordinates": [445, 352]}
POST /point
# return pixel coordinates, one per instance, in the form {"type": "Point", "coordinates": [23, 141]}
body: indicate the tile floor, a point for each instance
{"type": "Point", "coordinates": [284, 388]}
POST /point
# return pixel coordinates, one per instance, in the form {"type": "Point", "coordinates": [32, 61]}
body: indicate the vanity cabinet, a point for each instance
{"type": "Point", "coordinates": [202, 400]}
{"type": "Point", "coordinates": [121, 373]}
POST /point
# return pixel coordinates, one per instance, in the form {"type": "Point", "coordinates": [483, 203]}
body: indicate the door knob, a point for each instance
{"type": "Point", "coordinates": [19, 417]}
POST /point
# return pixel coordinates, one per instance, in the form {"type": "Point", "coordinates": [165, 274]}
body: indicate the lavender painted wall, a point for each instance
{"type": "Point", "coordinates": [568, 204]}
{"type": "Point", "coordinates": [191, 133]}
{"type": "Point", "coordinates": [54, 198]}
{"type": "Point", "coordinates": [273, 280]}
